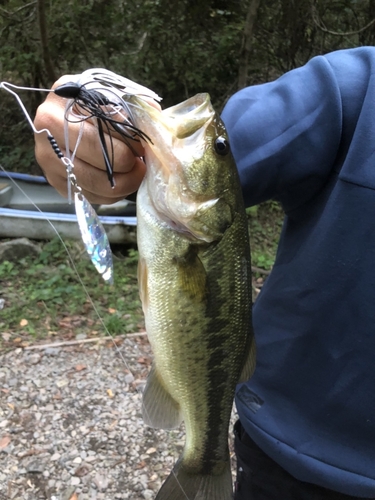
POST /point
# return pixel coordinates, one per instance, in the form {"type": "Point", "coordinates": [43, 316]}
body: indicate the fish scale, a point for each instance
{"type": "Point", "coordinates": [195, 287]}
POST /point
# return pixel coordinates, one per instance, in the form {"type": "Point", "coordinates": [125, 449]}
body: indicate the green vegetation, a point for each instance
{"type": "Point", "coordinates": [198, 46]}
{"type": "Point", "coordinates": [45, 298]}
{"type": "Point", "coordinates": [265, 223]}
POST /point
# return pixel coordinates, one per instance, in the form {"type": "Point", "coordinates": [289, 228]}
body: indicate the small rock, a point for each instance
{"type": "Point", "coordinates": [34, 359]}
{"type": "Point", "coordinates": [37, 382]}
{"type": "Point", "coordinates": [55, 457]}
{"type": "Point", "coordinates": [75, 481]}
{"type": "Point", "coordinates": [66, 494]}
{"type": "Point", "coordinates": [17, 249]}
{"type": "Point", "coordinates": [62, 383]}
{"type": "Point", "coordinates": [35, 466]}
{"type": "Point", "coordinates": [101, 481]}
{"type": "Point", "coordinates": [148, 494]}
{"type": "Point", "coordinates": [83, 470]}
{"type": "Point", "coordinates": [52, 351]}
{"type": "Point", "coordinates": [151, 451]}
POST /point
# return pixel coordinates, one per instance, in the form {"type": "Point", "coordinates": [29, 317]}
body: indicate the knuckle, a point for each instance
{"type": "Point", "coordinates": [48, 115]}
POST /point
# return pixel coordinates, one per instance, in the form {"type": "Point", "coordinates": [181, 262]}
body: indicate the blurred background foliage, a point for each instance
{"type": "Point", "coordinates": [176, 48]}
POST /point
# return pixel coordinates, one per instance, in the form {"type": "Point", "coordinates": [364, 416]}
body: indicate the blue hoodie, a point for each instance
{"type": "Point", "coordinates": [308, 140]}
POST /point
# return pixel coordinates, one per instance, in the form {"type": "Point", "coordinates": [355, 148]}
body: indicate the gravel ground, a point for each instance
{"type": "Point", "coordinates": [71, 425]}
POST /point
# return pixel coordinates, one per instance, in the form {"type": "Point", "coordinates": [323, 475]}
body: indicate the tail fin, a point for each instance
{"type": "Point", "coordinates": [182, 485]}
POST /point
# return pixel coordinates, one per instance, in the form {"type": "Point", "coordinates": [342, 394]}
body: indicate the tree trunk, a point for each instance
{"type": "Point", "coordinates": [44, 42]}
{"type": "Point", "coordinates": [246, 43]}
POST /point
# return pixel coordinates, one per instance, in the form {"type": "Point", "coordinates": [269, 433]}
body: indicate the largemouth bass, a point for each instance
{"type": "Point", "coordinates": [195, 287]}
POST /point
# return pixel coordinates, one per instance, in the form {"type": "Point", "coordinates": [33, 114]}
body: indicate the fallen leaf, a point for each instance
{"type": "Point", "coordinates": [79, 368]}
{"type": "Point", "coordinates": [62, 383]}
{"type": "Point", "coordinates": [24, 322]}
{"type": "Point", "coordinates": [5, 391]}
{"type": "Point", "coordinates": [110, 393]}
{"type": "Point", "coordinates": [143, 361]}
{"type": "Point", "coordinates": [65, 324]}
{"type": "Point", "coordinates": [74, 497]}
{"type": "Point", "coordinates": [111, 311]}
{"type": "Point", "coordinates": [4, 442]}
{"type": "Point", "coordinates": [17, 340]}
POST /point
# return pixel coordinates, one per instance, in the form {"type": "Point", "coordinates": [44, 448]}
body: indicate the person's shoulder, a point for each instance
{"type": "Point", "coordinates": [352, 70]}
{"type": "Point", "coordinates": [351, 59]}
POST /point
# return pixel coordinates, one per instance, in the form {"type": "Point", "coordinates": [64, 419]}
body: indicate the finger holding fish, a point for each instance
{"type": "Point", "coordinates": [89, 165]}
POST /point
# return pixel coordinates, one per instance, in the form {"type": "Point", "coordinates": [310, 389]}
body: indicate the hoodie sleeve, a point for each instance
{"type": "Point", "coordinates": [288, 136]}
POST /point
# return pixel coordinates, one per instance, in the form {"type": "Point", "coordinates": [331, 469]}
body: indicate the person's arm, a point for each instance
{"type": "Point", "coordinates": [289, 135]}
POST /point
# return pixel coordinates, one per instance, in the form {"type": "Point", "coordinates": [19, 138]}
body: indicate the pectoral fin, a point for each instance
{"type": "Point", "coordinates": [159, 409]}
{"type": "Point", "coordinates": [249, 364]}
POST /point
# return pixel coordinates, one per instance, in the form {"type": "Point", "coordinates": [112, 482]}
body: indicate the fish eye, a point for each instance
{"type": "Point", "coordinates": [221, 145]}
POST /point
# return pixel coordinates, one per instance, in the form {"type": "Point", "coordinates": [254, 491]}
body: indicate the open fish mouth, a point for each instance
{"type": "Point", "coordinates": [183, 194]}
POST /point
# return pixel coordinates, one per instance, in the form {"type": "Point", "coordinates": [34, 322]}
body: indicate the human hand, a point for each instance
{"type": "Point", "coordinates": [89, 166]}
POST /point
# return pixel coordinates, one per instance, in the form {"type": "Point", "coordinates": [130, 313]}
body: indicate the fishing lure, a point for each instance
{"type": "Point", "coordinates": [99, 95]}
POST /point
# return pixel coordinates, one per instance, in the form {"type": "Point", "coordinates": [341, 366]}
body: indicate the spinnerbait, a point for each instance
{"type": "Point", "coordinates": [99, 95]}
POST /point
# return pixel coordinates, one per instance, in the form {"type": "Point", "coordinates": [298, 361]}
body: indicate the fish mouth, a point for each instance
{"type": "Point", "coordinates": [181, 137]}
{"type": "Point", "coordinates": [175, 136]}
{"type": "Point", "coordinates": [181, 120]}
{"type": "Point", "coordinates": [191, 115]}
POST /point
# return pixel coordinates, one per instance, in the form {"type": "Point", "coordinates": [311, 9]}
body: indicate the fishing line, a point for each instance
{"type": "Point", "coordinates": [74, 267]}
{"type": "Point", "coordinates": [68, 162]}
{"type": "Point", "coordinates": [91, 301]}
{"type": "Point", "coordinates": [83, 104]}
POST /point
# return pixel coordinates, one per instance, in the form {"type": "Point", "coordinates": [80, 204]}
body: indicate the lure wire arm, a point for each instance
{"type": "Point", "coordinates": [101, 95]}
{"type": "Point", "coordinates": [6, 85]}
